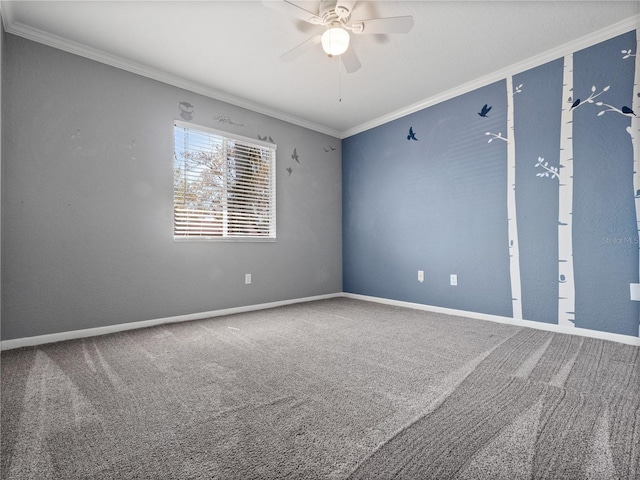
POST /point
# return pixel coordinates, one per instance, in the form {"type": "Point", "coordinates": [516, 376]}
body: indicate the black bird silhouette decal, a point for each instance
{"type": "Point", "coordinates": [626, 109]}
{"type": "Point", "coordinates": [483, 112]}
{"type": "Point", "coordinates": [575, 104]}
{"type": "Point", "coordinates": [271, 140]}
{"type": "Point", "coordinates": [637, 194]}
{"type": "Point", "coordinates": [289, 169]}
{"type": "Point", "coordinates": [263, 139]}
{"type": "Point", "coordinates": [332, 149]}
{"type": "Point", "coordinates": [325, 149]}
{"type": "Point", "coordinates": [412, 135]}
{"type": "Point", "coordinates": [294, 155]}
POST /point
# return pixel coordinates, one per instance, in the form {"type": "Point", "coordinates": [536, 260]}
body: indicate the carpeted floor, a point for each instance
{"type": "Point", "coordinates": [334, 389]}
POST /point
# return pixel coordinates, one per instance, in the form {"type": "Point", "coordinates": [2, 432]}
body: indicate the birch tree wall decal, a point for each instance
{"type": "Point", "coordinates": [564, 174]}
{"type": "Point", "coordinates": [512, 223]}
{"type": "Point", "coordinates": [566, 287]}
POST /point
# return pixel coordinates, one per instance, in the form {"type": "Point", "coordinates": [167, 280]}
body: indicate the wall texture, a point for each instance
{"type": "Point", "coordinates": [87, 202]}
{"type": "Point", "coordinates": [524, 188]}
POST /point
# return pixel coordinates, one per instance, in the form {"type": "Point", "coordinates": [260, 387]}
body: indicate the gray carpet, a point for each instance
{"type": "Point", "coordinates": [334, 389]}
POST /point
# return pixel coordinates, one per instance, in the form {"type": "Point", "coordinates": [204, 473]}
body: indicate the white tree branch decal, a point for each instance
{"type": "Point", "coordinates": [497, 136]}
{"type": "Point", "coordinates": [549, 170]}
{"type": "Point", "coordinates": [577, 103]}
{"type": "Point", "coordinates": [626, 111]}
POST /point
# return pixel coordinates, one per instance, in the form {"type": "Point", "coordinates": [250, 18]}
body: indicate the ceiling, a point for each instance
{"type": "Point", "coordinates": [230, 50]}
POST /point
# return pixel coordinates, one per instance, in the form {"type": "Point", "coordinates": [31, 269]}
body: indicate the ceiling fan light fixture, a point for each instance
{"type": "Point", "coordinates": [335, 41]}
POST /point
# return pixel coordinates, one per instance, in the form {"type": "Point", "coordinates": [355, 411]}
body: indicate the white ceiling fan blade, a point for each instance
{"type": "Point", "coordinates": [384, 25]}
{"type": "Point", "coordinates": [294, 10]}
{"type": "Point", "coordinates": [344, 8]}
{"type": "Point", "coordinates": [350, 60]}
{"type": "Point", "coordinates": [304, 47]}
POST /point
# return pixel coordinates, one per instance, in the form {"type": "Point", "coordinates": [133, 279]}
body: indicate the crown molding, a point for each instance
{"type": "Point", "coordinates": [36, 35]}
{"type": "Point", "coordinates": [631, 23]}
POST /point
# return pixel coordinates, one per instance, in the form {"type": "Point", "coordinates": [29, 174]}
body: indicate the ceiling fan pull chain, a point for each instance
{"type": "Point", "coordinates": [339, 79]}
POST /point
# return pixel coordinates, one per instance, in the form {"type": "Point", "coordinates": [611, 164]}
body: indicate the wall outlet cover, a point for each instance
{"type": "Point", "coordinates": [453, 279]}
{"type": "Point", "coordinates": [635, 291]}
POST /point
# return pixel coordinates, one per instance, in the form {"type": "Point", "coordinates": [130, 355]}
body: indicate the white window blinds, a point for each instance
{"type": "Point", "coordinates": [223, 187]}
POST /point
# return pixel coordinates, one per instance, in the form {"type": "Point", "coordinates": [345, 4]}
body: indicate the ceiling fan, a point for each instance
{"type": "Point", "coordinates": [335, 17]}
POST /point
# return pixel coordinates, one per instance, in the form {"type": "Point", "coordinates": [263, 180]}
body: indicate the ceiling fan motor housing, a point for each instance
{"type": "Point", "coordinates": [331, 11]}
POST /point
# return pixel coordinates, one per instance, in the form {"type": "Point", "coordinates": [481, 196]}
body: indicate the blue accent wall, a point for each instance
{"type": "Point", "coordinates": [439, 203]}
{"type": "Point", "coordinates": [435, 204]}
{"type": "Point", "coordinates": [605, 237]}
{"type": "Point", "coordinates": [537, 134]}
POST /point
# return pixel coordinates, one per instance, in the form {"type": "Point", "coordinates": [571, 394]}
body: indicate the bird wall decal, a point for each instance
{"type": "Point", "coordinates": [412, 135]}
{"type": "Point", "coordinates": [484, 110]}
{"type": "Point", "coordinates": [575, 104]}
{"type": "Point", "coordinates": [290, 170]}
{"type": "Point", "coordinates": [295, 156]}
{"type": "Point", "coordinates": [628, 111]}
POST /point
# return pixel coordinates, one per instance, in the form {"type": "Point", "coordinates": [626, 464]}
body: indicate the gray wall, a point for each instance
{"type": "Point", "coordinates": [87, 202]}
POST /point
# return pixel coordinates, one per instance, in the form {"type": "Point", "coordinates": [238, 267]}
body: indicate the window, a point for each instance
{"type": "Point", "coordinates": [223, 187]}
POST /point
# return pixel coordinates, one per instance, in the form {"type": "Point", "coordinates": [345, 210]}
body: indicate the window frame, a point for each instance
{"type": "Point", "coordinates": [245, 142]}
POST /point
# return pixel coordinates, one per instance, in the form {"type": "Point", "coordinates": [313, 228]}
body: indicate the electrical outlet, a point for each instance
{"type": "Point", "coordinates": [453, 279]}
{"type": "Point", "coordinates": [247, 279]}
{"type": "Point", "coordinates": [421, 276]}
{"type": "Point", "coordinates": [635, 291]}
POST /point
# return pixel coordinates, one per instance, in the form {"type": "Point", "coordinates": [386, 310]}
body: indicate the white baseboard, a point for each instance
{"type": "Point", "coordinates": [92, 332]}
{"type": "Point", "coordinates": [615, 337]}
